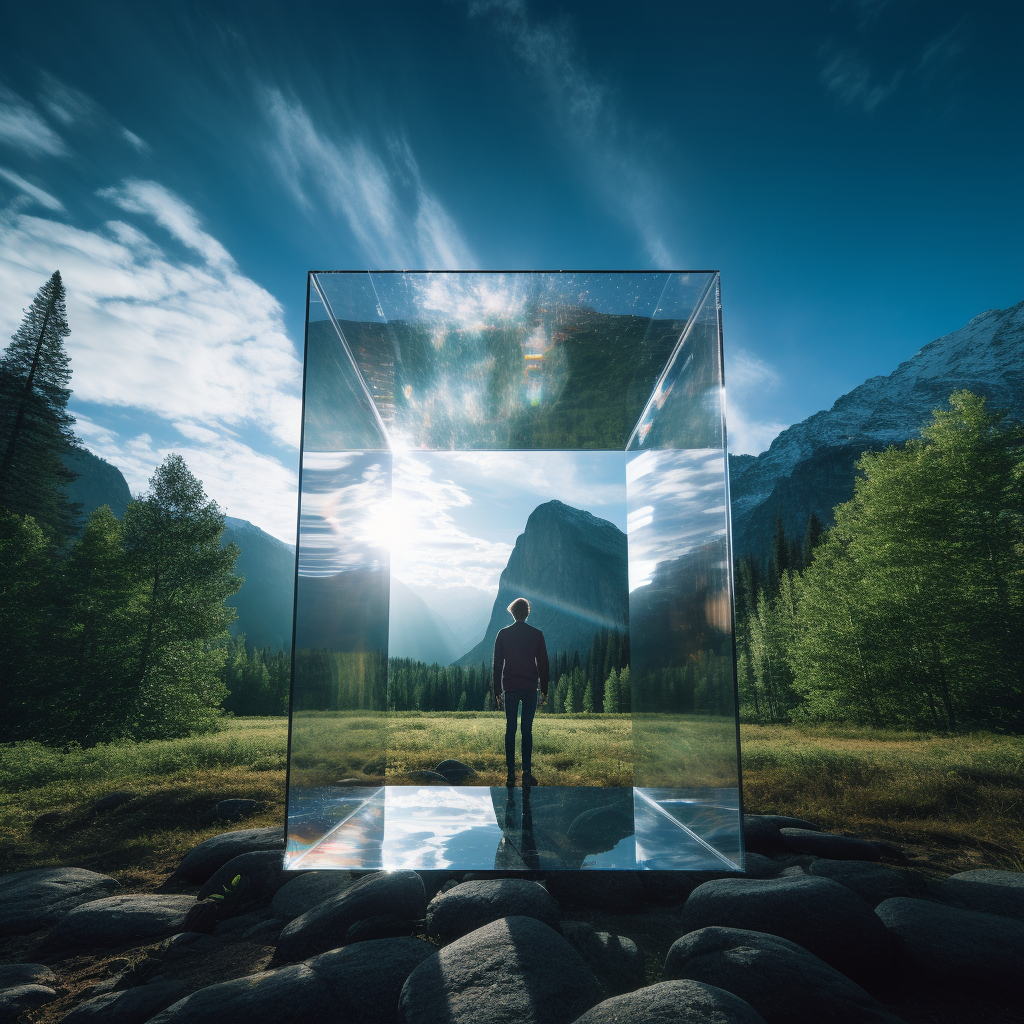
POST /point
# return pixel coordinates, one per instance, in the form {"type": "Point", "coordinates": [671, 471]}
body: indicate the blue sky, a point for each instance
{"type": "Point", "coordinates": [852, 168]}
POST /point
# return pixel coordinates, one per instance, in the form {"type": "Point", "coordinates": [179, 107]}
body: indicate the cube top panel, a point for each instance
{"type": "Point", "coordinates": [494, 360]}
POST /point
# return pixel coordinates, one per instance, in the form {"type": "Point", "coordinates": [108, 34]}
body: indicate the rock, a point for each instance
{"type": "Point", "coordinates": [673, 1002]}
{"type": "Point", "coordinates": [203, 917]}
{"type": "Point", "coordinates": [234, 926]}
{"type": "Point", "coordinates": [385, 926]}
{"type": "Point", "coordinates": [30, 900]}
{"type": "Point", "coordinates": [473, 904]}
{"type": "Point", "coordinates": [47, 821]}
{"type": "Point", "coordinates": [13, 975]}
{"type": "Point", "coordinates": [434, 881]}
{"type": "Point", "coordinates": [262, 874]}
{"type": "Point", "coordinates": [871, 882]}
{"type": "Point", "coordinates": [955, 947]}
{"type": "Point", "coordinates": [619, 892]}
{"type": "Point", "coordinates": [119, 920]}
{"type": "Point", "coordinates": [599, 829]}
{"type": "Point", "coordinates": [324, 926]}
{"type": "Point", "coordinates": [207, 857]}
{"type": "Point", "coordinates": [304, 892]}
{"type": "Point", "coordinates": [662, 888]}
{"type": "Point", "coordinates": [388, 962]}
{"type": "Point", "coordinates": [132, 1006]}
{"type": "Point", "coordinates": [616, 961]}
{"type": "Point", "coordinates": [513, 971]}
{"type": "Point", "coordinates": [111, 800]}
{"type": "Point", "coordinates": [456, 772]}
{"type": "Point", "coordinates": [295, 994]}
{"type": "Point", "coordinates": [987, 891]}
{"type": "Point", "coordinates": [427, 778]}
{"type": "Point", "coordinates": [782, 981]}
{"type": "Point", "coordinates": [761, 832]}
{"type": "Point", "coordinates": [15, 1001]}
{"type": "Point", "coordinates": [824, 917]}
{"type": "Point", "coordinates": [232, 810]}
{"type": "Point", "coordinates": [825, 844]}
{"type": "Point", "coordinates": [265, 933]}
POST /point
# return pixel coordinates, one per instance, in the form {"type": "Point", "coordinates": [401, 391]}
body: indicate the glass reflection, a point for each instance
{"type": "Point", "coordinates": [471, 386]}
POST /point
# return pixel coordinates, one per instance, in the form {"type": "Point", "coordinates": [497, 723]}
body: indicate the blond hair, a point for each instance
{"type": "Point", "coordinates": [519, 609]}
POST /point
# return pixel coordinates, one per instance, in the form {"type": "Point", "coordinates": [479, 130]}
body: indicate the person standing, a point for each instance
{"type": "Point", "coordinates": [520, 667]}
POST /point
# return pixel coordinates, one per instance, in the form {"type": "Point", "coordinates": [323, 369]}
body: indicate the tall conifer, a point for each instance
{"type": "Point", "coordinates": [35, 427]}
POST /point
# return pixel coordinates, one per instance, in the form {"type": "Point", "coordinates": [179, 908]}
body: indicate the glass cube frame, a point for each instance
{"type": "Point", "coordinates": [405, 362]}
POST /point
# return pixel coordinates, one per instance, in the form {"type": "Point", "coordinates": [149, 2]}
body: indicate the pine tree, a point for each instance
{"type": "Point", "coordinates": [35, 427]}
{"type": "Point", "coordinates": [812, 538]}
{"type": "Point", "coordinates": [778, 560]}
{"type": "Point", "coordinates": [588, 697]}
{"type": "Point", "coordinates": [611, 693]}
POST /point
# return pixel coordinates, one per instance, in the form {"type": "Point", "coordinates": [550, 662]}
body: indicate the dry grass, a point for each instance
{"type": "Point", "coordinates": [955, 801]}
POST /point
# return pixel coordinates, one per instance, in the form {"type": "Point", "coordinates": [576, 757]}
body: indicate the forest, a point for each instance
{"type": "Point", "coordinates": [907, 613]}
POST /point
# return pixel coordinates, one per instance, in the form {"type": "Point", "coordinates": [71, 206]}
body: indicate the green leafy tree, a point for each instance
{"type": "Point", "coordinates": [611, 693]}
{"type": "Point", "coordinates": [588, 697]}
{"type": "Point", "coordinates": [35, 427]}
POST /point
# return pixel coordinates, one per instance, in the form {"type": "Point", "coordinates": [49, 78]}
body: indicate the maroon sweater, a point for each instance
{"type": "Point", "coordinates": [520, 659]}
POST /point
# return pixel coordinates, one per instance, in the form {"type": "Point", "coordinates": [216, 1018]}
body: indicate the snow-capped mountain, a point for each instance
{"type": "Point", "coordinates": [809, 466]}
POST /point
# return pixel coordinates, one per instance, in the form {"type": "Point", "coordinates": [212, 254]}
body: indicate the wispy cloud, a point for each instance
{"type": "Point", "coordinates": [185, 341]}
{"type": "Point", "coordinates": [748, 378]}
{"type": "Point", "coordinates": [31, 191]}
{"type": "Point", "coordinates": [587, 114]}
{"type": "Point", "coordinates": [21, 127]}
{"type": "Point", "coordinates": [850, 78]}
{"type": "Point", "coordinates": [396, 220]}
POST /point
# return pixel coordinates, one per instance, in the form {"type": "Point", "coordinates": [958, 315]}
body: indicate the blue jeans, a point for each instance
{"type": "Point", "coordinates": [529, 701]}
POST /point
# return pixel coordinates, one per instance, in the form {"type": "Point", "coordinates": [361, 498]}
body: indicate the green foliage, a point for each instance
{"type": "Point", "coordinates": [125, 636]}
{"type": "Point", "coordinates": [911, 611]}
{"type": "Point", "coordinates": [256, 681]}
{"type": "Point", "coordinates": [35, 427]}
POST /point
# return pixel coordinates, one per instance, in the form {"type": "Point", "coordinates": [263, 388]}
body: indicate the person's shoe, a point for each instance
{"type": "Point", "coordinates": [529, 780]}
{"type": "Point", "coordinates": [510, 780]}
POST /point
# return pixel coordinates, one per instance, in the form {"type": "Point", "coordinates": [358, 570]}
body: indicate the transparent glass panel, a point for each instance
{"type": "Point", "coordinates": [470, 438]}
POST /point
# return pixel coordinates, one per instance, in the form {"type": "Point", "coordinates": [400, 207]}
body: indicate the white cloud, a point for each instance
{"type": "Point", "coordinates": [140, 144]}
{"type": "Point", "coordinates": [30, 190]}
{"type": "Point", "coordinates": [188, 340]}
{"type": "Point", "coordinates": [848, 76]}
{"type": "Point", "coordinates": [586, 113]}
{"type": "Point", "coordinates": [747, 379]}
{"type": "Point", "coordinates": [23, 128]}
{"type": "Point", "coordinates": [397, 222]}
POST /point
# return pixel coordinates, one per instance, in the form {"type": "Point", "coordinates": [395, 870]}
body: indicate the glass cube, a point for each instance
{"type": "Point", "coordinates": [469, 438]}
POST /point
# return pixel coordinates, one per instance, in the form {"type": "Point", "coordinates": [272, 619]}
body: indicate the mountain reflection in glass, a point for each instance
{"type": "Point", "coordinates": [557, 436]}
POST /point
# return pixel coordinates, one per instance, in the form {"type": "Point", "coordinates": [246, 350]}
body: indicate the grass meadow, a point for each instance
{"type": "Point", "coordinates": [954, 802]}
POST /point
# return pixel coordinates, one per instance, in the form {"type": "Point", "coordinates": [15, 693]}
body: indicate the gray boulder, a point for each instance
{"type": "Point", "coordinates": [778, 978]}
{"type": "Point", "coordinates": [987, 891]}
{"type": "Point", "coordinates": [262, 874]}
{"type": "Point", "coordinates": [295, 994]}
{"type": "Point", "coordinates": [119, 920]}
{"type": "Point", "coordinates": [959, 948]}
{"type": "Point", "coordinates": [663, 888]}
{"type": "Point", "coordinates": [471, 905]}
{"type": "Point", "coordinates": [265, 933]}
{"type": "Point", "coordinates": [303, 892]}
{"type": "Point", "coordinates": [366, 979]}
{"type": "Point", "coordinates": [132, 1006]}
{"type": "Point", "coordinates": [761, 832]}
{"type": "Point", "coordinates": [871, 882]}
{"type": "Point", "coordinates": [456, 772]}
{"type": "Point", "coordinates": [30, 900]}
{"type": "Point", "coordinates": [673, 1002]}
{"type": "Point", "coordinates": [619, 892]}
{"type": "Point", "coordinates": [324, 927]}
{"type": "Point", "coordinates": [207, 857]}
{"type": "Point", "coordinates": [12, 975]}
{"type": "Point", "coordinates": [825, 844]}
{"type": "Point", "coordinates": [109, 801]}
{"type": "Point", "coordinates": [513, 971]}
{"type": "Point", "coordinates": [824, 917]}
{"type": "Point", "coordinates": [15, 1001]}
{"type": "Point", "coordinates": [385, 926]}
{"type": "Point", "coordinates": [616, 961]}
{"type": "Point", "coordinates": [232, 810]}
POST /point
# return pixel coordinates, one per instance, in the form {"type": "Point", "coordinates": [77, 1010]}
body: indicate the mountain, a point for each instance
{"type": "Point", "coordinates": [466, 610]}
{"type": "Point", "coordinates": [810, 466]}
{"type": "Point", "coordinates": [264, 603]}
{"type": "Point", "coordinates": [416, 631]}
{"type": "Point", "coordinates": [571, 566]}
{"type": "Point", "coordinates": [98, 483]}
